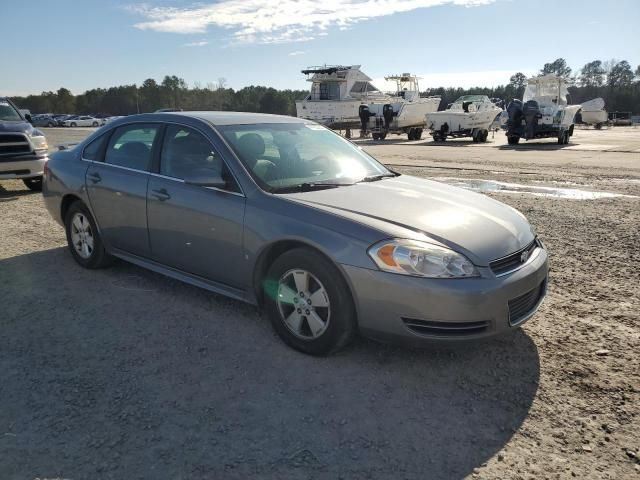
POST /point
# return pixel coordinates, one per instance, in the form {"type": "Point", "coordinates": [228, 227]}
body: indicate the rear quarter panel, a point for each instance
{"type": "Point", "coordinates": [65, 175]}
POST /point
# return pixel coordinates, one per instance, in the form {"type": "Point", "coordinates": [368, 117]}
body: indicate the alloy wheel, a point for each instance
{"type": "Point", "coordinates": [303, 303]}
{"type": "Point", "coordinates": [82, 235]}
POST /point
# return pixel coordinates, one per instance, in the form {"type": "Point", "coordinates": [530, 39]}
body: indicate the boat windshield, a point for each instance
{"type": "Point", "coordinates": [472, 98]}
{"type": "Point", "coordinates": [547, 88]}
{"type": "Point", "coordinates": [283, 156]}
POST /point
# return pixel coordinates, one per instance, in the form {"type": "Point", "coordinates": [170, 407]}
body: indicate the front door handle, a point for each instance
{"type": "Point", "coordinates": [94, 177]}
{"type": "Point", "coordinates": [161, 194]}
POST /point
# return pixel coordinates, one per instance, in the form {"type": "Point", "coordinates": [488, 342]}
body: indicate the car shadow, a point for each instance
{"type": "Point", "coordinates": [10, 195]}
{"type": "Point", "coordinates": [118, 372]}
{"type": "Point", "coordinates": [536, 146]}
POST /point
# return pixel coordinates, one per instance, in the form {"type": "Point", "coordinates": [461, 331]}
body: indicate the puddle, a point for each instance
{"type": "Point", "coordinates": [492, 186]}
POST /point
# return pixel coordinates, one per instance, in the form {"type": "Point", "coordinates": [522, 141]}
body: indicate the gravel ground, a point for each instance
{"type": "Point", "coordinates": [122, 373]}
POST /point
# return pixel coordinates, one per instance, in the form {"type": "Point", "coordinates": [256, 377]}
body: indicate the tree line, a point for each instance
{"type": "Point", "coordinates": [613, 80]}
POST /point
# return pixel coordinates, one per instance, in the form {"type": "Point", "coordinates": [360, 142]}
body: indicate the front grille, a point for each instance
{"type": "Point", "coordinates": [445, 329]}
{"type": "Point", "coordinates": [14, 144]}
{"type": "Point", "coordinates": [520, 307]}
{"type": "Point", "coordinates": [514, 260]}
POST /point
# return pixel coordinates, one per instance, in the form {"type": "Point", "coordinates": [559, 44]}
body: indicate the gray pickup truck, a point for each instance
{"type": "Point", "coordinates": [23, 148]}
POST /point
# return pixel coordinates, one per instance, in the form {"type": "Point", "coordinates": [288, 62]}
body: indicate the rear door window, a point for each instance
{"type": "Point", "coordinates": [131, 146]}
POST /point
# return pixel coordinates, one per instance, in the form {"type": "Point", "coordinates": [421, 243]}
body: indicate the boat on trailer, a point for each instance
{"type": "Point", "coordinates": [543, 111]}
{"type": "Point", "coordinates": [593, 113]}
{"type": "Point", "coordinates": [343, 97]}
{"type": "Point", "coordinates": [403, 112]}
{"type": "Point", "coordinates": [469, 116]}
{"type": "Point", "coordinates": [337, 91]}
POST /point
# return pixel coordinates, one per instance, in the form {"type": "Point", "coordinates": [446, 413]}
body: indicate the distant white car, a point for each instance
{"type": "Point", "coordinates": [82, 121]}
{"type": "Point", "coordinates": [110, 119]}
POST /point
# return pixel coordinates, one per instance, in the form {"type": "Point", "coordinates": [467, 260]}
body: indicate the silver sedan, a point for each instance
{"type": "Point", "coordinates": [282, 213]}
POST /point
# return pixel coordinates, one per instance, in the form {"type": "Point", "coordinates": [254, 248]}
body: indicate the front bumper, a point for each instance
{"type": "Point", "coordinates": [416, 310]}
{"type": "Point", "coordinates": [24, 166]}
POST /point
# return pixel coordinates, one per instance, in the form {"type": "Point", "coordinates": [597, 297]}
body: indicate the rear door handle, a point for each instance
{"type": "Point", "coordinates": [94, 177]}
{"type": "Point", "coordinates": [161, 194]}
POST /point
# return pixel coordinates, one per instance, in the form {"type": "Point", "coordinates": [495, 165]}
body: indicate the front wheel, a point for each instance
{"type": "Point", "coordinates": [34, 184]}
{"type": "Point", "coordinates": [74, 124]}
{"type": "Point", "coordinates": [84, 239]}
{"type": "Point", "coordinates": [513, 140]}
{"type": "Point", "coordinates": [95, 124]}
{"type": "Point", "coordinates": [309, 303]}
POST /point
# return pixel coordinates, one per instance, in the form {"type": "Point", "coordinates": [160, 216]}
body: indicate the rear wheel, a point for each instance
{"type": "Point", "coordinates": [418, 134]}
{"type": "Point", "coordinates": [34, 184]}
{"type": "Point", "coordinates": [74, 124]}
{"type": "Point", "coordinates": [309, 303]}
{"type": "Point", "coordinates": [95, 124]}
{"type": "Point", "coordinates": [513, 140]}
{"type": "Point", "coordinates": [50, 124]}
{"type": "Point", "coordinates": [84, 239]}
{"type": "Point", "coordinates": [412, 134]}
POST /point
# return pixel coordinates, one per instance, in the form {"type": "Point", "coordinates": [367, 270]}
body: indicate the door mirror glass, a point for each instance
{"type": "Point", "coordinates": [206, 180]}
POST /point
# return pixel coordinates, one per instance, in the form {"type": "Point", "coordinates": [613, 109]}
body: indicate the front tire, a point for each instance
{"type": "Point", "coordinates": [33, 184]}
{"type": "Point", "coordinates": [73, 124]}
{"type": "Point", "coordinates": [513, 140]}
{"type": "Point", "coordinates": [84, 239]}
{"type": "Point", "coordinates": [309, 302]}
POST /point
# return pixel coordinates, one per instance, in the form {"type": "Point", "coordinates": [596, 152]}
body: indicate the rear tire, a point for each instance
{"type": "Point", "coordinates": [513, 140]}
{"type": "Point", "coordinates": [94, 124]}
{"type": "Point", "coordinates": [418, 134]}
{"type": "Point", "coordinates": [74, 124]}
{"type": "Point", "coordinates": [84, 239]}
{"type": "Point", "coordinates": [309, 303]}
{"type": "Point", "coordinates": [33, 184]}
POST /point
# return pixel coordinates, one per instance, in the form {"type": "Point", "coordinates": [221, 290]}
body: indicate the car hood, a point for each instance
{"type": "Point", "coordinates": [481, 228]}
{"type": "Point", "coordinates": [18, 126]}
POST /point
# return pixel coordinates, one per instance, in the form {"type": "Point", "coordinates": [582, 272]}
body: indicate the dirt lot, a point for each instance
{"type": "Point", "coordinates": [122, 373]}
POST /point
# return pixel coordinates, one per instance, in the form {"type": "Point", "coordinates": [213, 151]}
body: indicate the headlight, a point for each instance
{"type": "Point", "coordinates": [420, 259]}
{"type": "Point", "coordinates": [39, 141]}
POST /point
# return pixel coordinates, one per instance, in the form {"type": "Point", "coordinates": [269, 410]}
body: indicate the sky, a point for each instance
{"type": "Point", "coordinates": [83, 44]}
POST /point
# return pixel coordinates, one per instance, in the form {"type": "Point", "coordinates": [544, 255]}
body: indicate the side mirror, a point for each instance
{"type": "Point", "coordinates": [27, 117]}
{"type": "Point", "coordinates": [214, 180]}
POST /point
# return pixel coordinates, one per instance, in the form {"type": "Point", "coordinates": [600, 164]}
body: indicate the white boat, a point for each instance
{"type": "Point", "coordinates": [403, 112]}
{"type": "Point", "coordinates": [343, 97]}
{"type": "Point", "coordinates": [593, 113]}
{"type": "Point", "coordinates": [469, 116]}
{"type": "Point", "coordinates": [336, 95]}
{"type": "Point", "coordinates": [543, 111]}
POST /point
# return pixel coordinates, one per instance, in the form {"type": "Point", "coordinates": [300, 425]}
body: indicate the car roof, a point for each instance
{"type": "Point", "coordinates": [219, 118]}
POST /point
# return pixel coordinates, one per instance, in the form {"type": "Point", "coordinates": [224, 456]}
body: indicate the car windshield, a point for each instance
{"type": "Point", "coordinates": [284, 156]}
{"type": "Point", "coordinates": [8, 113]}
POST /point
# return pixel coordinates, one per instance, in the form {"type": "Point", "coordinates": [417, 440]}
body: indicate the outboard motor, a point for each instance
{"type": "Point", "coordinates": [364, 114]}
{"type": "Point", "coordinates": [514, 110]}
{"type": "Point", "coordinates": [387, 113]}
{"type": "Point", "coordinates": [531, 112]}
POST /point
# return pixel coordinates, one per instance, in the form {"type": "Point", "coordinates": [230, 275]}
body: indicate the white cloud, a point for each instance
{"type": "Point", "coordinates": [277, 21]}
{"type": "Point", "coordinates": [201, 43]}
{"type": "Point", "coordinates": [296, 53]}
{"type": "Point", "coordinates": [487, 78]}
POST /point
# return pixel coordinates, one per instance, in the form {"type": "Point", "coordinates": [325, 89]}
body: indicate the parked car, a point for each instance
{"type": "Point", "coordinates": [44, 121]}
{"type": "Point", "coordinates": [286, 214]}
{"type": "Point", "coordinates": [23, 148]}
{"type": "Point", "coordinates": [62, 118]}
{"type": "Point", "coordinates": [82, 121]}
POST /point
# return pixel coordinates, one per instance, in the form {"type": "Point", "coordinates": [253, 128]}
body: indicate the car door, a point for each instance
{"type": "Point", "coordinates": [117, 185]}
{"type": "Point", "coordinates": [193, 228]}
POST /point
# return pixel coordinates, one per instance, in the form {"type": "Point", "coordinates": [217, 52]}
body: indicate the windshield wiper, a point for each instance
{"type": "Point", "coordinates": [308, 186]}
{"type": "Point", "coordinates": [375, 178]}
